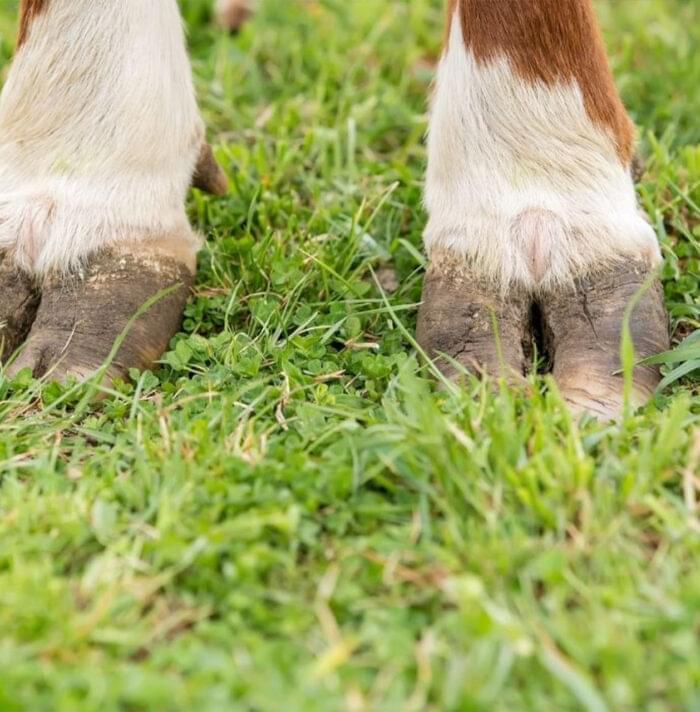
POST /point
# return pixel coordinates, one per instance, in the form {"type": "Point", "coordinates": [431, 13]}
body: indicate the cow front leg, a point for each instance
{"type": "Point", "coordinates": [529, 190]}
{"type": "Point", "coordinates": [100, 137]}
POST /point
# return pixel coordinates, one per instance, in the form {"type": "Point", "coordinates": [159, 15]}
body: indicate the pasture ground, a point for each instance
{"type": "Point", "coordinates": [287, 514]}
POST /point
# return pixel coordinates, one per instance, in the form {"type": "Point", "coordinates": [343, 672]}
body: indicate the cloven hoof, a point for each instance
{"type": "Point", "coordinates": [81, 316]}
{"type": "Point", "coordinates": [232, 14]}
{"type": "Point", "coordinates": [578, 330]}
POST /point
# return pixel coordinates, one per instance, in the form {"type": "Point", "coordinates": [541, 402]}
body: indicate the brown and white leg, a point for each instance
{"type": "Point", "coordinates": [100, 135]}
{"type": "Point", "coordinates": [529, 185]}
{"type": "Point", "coordinates": [232, 14]}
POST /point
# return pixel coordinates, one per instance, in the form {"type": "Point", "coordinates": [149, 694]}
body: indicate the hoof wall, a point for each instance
{"type": "Point", "coordinates": [583, 328]}
{"type": "Point", "coordinates": [18, 306]}
{"type": "Point", "coordinates": [464, 319]}
{"type": "Point", "coordinates": [82, 316]}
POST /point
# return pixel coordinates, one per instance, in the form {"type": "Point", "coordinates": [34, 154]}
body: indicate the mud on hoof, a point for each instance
{"type": "Point", "coordinates": [583, 327]}
{"type": "Point", "coordinates": [82, 315]}
{"type": "Point", "coordinates": [457, 316]}
{"type": "Point", "coordinates": [19, 301]}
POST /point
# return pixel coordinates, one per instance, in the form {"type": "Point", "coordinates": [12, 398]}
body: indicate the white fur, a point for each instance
{"type": "Point", "coordinates": [520, 181]}
{"type": "Point", "coordinates": [99, 132]}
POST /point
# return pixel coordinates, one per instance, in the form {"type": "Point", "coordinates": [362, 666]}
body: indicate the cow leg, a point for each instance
{"type": "Point", "coordinates": [529, 189]}
{"type": "Point", "coordinates": [100, 136]}
{"type": "Point", "coordinates": [232, 14]}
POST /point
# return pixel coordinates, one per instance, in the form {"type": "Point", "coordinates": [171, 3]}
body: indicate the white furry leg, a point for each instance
{"type": "Point", "coordinates": [99, 133]}
{"type": "Point", "coordinates": [531, 203]}
{"type": "Point", "coordinates": [99, 139]}
{"type": "Point", "coordinates": [521, 182]}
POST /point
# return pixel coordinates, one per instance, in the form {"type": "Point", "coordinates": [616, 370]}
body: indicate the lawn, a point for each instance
{"type": "Point", "coordinates": [287, 514]}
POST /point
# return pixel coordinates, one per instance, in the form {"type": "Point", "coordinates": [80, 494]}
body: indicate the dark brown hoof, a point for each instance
{"type": "Point", "coordinates": [19, 301]}
{"type": "Point", "coordinates": [232, 14]}
{"type": "Point", "coordinates": [583, 327]}
{"type": "Point", "coordinates": [466, 319]}
{"type": "Point", "coordinates": [82, 316]}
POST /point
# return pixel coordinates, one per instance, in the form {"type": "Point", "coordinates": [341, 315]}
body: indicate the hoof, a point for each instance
{"type": "Point", "coordinates": [81, 316]}
{"type": "Point", "coordinates": [18, 306]}
{"type": "Point", "coordinates": [232, 14]}
{"type": "Point", "coordinates": [583, 327]}
{"type": "Point", "coordinates": [457, 317]}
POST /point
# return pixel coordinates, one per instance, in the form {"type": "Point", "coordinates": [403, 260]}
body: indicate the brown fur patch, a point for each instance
{"type": "Point", "coordinates": [550, 41]}
{"type": "Point", "coordinates": [28, 10]}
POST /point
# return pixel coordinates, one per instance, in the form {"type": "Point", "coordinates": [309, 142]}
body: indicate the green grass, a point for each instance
{"type": "Point", "coordinates": [287, 515]}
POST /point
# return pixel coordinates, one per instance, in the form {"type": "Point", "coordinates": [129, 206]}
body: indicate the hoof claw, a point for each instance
{"type": "Point", "coordinates": [583, 327]}
{"type": "Point", "coordinates": [465, 319]}
{"type": "Point", "coordinates": [18, 306]}
{"type": "Point", "coordinates": [81, 317]}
